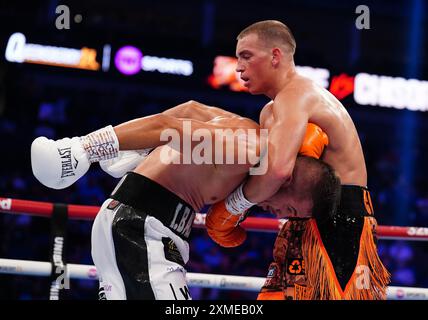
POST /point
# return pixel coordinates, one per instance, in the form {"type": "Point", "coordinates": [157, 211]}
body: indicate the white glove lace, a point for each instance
{"type": "Point", "coordinates": [236, 203]}
{"type": "Point", "coordinates": [101, 144]}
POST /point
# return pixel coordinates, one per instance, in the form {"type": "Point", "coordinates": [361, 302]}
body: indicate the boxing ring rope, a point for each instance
{"type": "Point", "coordinates": [80, 212]}
{"type": "Point", "coordinates": [202, 280]}
{"type": "Point", "coordinates": [88, 272]}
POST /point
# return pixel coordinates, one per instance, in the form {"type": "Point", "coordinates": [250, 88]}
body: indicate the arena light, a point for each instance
{"type": "Point", "coordinates": [321, 76]}
{"type": "Point", "coordinates": [130, 60]}
{"type": "Point", "coordinates": [224, 74]}
{"type": "Point", "coordinates": [368, 89]}
{"type": "Point", "coordinates": [167, 65]}
{"type": "Point", "coordinates": [106, 57]}
{"type": "Point", "coordinates": [19, 51]}
{"type": "Point", "coordinates": [342, 86]}
{"type": "Point", "coordinates": [391, 92]}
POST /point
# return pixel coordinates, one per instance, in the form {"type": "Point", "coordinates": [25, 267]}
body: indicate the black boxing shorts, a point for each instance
{"type": "Point", "coordinates": [140, 242]}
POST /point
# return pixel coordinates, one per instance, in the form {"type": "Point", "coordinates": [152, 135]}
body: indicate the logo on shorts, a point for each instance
{"type": "Point", "coordinates": [272, 271]}
{"type": "Point", "coordinates": [302, 292]}
{"type": "Point", "coordinates": [171, 251]}
{"type": "Point", "coordinates": [183, 220]}
{"type": "Point", "coordinates": [295, 266]}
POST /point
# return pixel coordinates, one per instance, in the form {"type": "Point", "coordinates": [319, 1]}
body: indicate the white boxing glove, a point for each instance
{"type": "Point", "coordinates": [58, 164]}
{"type": "Point", "coordinates": [124, 162]}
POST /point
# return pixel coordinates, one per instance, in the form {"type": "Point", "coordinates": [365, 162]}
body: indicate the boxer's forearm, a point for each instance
{"type": "Point", "coordinates": [160, 129]}
{"type": "Point", "coordinates": [258, 188]}
{"type": "Point", "coordinates": [190, 110]}
{"type": "Point", "coordinates": [261, 187]}
{"type": "Point", "coordinates": [157, 130]}
{"type": "Point", "coordinates": [145, 132]}
{"type": "Point", "coordinates": [197, 111]}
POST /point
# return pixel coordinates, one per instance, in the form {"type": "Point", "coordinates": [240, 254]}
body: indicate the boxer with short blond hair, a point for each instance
{"type": "Point", "coordinates": [265, 52]}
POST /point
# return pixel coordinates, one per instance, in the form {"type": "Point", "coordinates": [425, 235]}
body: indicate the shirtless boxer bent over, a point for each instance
{"type": "Point", "coordinates": [140, 236]}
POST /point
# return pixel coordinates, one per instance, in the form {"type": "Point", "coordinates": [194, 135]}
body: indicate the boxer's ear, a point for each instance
{"type": "Point", "coordinates": [276, 56]}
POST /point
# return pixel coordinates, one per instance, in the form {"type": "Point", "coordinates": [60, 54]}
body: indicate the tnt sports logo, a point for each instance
{"type": "Point", "coordinates": [6, 204]}
{"type": "Point", "coordinates": [128, 60]}
{"type": "Point", "coordinates": [296, 266]}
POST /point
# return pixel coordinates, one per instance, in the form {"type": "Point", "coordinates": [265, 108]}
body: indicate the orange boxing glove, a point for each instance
{"type": "Point", "coordinates": [314, 142]}
{"type": "Point", "coordinates": [222, 226]}
{"type": "Point", "coordinates": [224, 217]}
